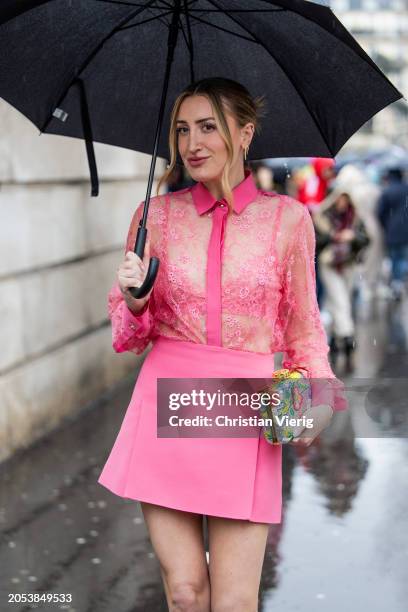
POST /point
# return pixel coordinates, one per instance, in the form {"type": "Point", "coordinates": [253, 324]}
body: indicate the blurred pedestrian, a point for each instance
{"type": "Point", "coordinates": [312, 192]}
{"type": "Point", "coordinates": [264, 179]}
{"type": "Point", "coordinates": [393, 216]}
{"type": "Point", "coordinates": [342, 236]}
{"type": "Point", "coordinates": [364, 194]}
{"type": "Point", "coordinates": [316, 186]}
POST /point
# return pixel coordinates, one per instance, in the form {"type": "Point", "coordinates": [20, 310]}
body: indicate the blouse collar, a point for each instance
{"type": "Point", "coordinates": [244, 193]}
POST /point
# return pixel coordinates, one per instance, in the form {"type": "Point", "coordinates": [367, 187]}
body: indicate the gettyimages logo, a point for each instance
{"type": "Point", "coordinates": [226, 407]}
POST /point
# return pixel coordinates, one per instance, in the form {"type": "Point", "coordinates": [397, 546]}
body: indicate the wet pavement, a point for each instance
{"type": "Point", "coordinates": [342, 541]}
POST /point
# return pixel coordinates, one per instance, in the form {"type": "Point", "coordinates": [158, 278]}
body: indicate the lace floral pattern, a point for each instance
{"type": "Point", "coordinates": [268, 285]}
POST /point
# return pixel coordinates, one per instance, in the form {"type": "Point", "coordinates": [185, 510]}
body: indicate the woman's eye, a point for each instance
{"type": "Point", "coordinates": [207, 127]}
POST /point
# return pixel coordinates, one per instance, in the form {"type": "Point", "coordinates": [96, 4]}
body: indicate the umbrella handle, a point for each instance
{"type": "Point", "coordinates": [140, 292]}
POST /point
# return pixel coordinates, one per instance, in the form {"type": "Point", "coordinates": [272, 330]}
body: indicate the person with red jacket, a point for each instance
{"type": "Point", "coordinates": [311, 193]}
{"type": "Point", "coordinates": [315, 187]}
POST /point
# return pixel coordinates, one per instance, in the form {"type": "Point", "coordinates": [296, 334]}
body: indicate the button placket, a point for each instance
{"type": "Point", "coordinates": [214, 266]}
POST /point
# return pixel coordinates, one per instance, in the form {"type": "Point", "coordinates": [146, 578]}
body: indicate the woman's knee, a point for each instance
{"type": "Point", "coordinates": [238, 602]}
{"type": "Point", "coordinates": [189, 595]}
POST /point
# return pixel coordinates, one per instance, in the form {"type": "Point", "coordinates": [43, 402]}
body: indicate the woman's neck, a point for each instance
{"type": "Point", "coordinates": [215, 188]}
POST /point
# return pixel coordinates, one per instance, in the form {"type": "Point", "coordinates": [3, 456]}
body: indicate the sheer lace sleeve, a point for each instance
{"type": "Point", "coordinates": [304, 341]}
{"type": "Point", "coordinates": [130, 332]}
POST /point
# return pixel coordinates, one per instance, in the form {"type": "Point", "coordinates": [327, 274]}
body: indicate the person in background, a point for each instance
{"type": "Point", "coordinates": [311, 192]}
{"type": "Point", "coordinates": [264, 178]}
{"type": "Point", "coordinates": [341, 236]}
{"type": "Point", "coordinates": [354, 180]}
{"type": "Point", "coordinates": [316, 186]}
{"type": "Point", "coordinates": [392, 213]}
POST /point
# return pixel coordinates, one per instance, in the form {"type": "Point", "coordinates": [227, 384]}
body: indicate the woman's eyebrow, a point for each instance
{"type": "Point", "coordinates": [198, 120]}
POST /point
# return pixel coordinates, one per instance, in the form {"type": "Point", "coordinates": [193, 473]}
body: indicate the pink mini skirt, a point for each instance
{"type": "Point", "coordinates": [238, 478]}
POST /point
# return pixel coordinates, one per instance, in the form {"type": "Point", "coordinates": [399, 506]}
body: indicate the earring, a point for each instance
{"type": "Point", "coordinates": [246, 152]}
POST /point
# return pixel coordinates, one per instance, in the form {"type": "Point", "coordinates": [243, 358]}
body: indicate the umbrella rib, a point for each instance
{"type": "Point", "coordinates": [217, 27]}
{"type": "Point", "coordinates": [169, 12]}
{"type": "Point", "coordinates": [159, 17]}
{"type": "Point", "coordinates": [274, 10]}
{"type": "Point", "coordinates": [190, 45]}
{"type": "Point", "coordinates": [90, 57]}
{"type": "Point", "coordinates": [288, 77]}
{"type": "Point", "coordinates": [345, 38]}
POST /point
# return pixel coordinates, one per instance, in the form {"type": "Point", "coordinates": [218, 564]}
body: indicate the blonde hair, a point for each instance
{"type": "Point", "coordinates": [223, 95]}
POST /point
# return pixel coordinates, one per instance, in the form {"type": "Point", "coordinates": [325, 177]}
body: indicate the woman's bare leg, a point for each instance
{"type": "Point", "coordinates": [237, 550]}
{"type": "Point", "coordinates": [177, 539]}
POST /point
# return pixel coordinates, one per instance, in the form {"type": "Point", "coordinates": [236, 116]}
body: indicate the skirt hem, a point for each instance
{"type": "Point", "coordinates": [173, 506]}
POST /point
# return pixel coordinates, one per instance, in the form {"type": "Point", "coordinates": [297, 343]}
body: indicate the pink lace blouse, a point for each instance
{"type": "Point", "coordinates": [244, 280]}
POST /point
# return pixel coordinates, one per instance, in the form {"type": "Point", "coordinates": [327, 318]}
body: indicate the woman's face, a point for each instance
{"type": "Point", "coordinates": [342, 203]}
{"type": "Point", "coordinates": [199, 139]}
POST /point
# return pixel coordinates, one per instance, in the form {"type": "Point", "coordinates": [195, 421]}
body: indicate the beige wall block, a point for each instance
{"type": "Point", "coordinates": [40, 226]}
{"type": "Point", "coordinates": [36, 397]}
{"type": "Point", "coordinates": [48, 225]}
{"type": "Point", "coordinates": [48, 308]}
{"type": "Point", "coordinates": [27, 156]}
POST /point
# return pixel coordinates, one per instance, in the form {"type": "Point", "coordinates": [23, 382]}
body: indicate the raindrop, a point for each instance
{"type": "Point", "coordinates": [12, 544]}
{"type": "Point", "coordinates": [80, 541]}
{"type": "Point", "coordinates": [375, 341]}
{"type": "Point", "coordinates": [341, 486]}
{"type": "Point", "coordinates": [32, 578]}
{"type": "Point", "coordinates": [91, 504]}
{"type": "Point", "coordinates": [150, 555]}
{"type": "Point", "coordinates": [24, 572]}
{"type": "Point", "coordinates": [320, 596]}
{"type": "Point", "coordinates": [102, 504]}
{"type": "Point", "coordinates": [137, 520]}
{"type": "Point", "coordinates": [15, 580]}
{"type": "Point", "coordinates": [62, 507]}
{"type": "Point", "coordinates": [95, 560]}
{"type": "Point", "coordinates": [94, 533]}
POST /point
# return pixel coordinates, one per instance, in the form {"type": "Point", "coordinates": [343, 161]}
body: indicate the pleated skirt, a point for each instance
{"type": "Point", "coordinates": [232, 477]}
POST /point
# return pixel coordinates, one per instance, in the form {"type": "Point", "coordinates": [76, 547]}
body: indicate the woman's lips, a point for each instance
{"type": "Point", "coordinates": [197, 162]}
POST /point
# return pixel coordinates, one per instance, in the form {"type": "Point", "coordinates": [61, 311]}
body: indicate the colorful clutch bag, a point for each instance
{"type": "Point", "coordinates": [294, 392]}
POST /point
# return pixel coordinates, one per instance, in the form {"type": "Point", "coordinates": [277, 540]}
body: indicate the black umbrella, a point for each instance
{"type": "Point", "coordinates": [96, 69]}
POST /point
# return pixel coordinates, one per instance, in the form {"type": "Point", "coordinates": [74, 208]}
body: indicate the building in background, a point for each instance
{"type": "Point", "coordinates": [381, 28]}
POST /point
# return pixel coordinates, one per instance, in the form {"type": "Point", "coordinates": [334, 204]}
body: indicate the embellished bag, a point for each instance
{"type": "Point", "coordinates": [294, 391]}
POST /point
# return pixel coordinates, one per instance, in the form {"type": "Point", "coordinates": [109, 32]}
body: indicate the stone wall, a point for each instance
{"type": "Point", "coordinates": [59, 250]}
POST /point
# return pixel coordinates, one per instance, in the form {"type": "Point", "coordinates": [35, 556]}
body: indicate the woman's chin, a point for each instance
{"type": "Point", "coordinates": [201, 173]}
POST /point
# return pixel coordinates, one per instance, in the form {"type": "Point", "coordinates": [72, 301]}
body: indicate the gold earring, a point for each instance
{"type": "Point", "coordinates": [246, 152]}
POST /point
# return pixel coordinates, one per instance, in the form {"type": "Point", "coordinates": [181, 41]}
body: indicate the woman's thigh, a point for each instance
{"type": "Point", "coordinates": [237, 551]}
{"type": "Point", "coordinates": [177, 539]}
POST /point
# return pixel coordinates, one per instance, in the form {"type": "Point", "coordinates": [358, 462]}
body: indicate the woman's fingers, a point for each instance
{"type": "Point", "coordinates": [322, 416]}
{"type": "Point", "coordinates": [132, 272]}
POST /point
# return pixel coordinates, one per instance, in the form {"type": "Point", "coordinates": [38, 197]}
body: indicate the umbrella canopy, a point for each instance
{"type": "Point", "coordinates": [97, 69]}
{"type": "Point", "coordinates": [319, 84]}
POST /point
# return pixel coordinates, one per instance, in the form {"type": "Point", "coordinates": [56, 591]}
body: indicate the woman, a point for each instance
{"type": "Point", "coordinates": [235, 286]}
{"type": "Point", "coordinates": [343, 234]}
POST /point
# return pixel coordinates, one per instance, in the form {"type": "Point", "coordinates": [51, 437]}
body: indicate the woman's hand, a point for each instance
{"type": "Point", "coordinates": [345, 235]}
{"type": "Point", "coordinates": [321, 416]}
{"type": "Point", "coordinates": [131, 273]}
